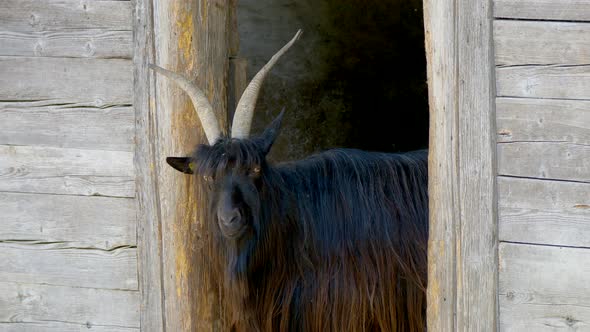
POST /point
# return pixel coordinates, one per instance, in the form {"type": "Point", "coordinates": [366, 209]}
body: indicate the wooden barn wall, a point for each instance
{"type": "Point", "coordinates": [68, 248]}
{"type": "Point", "coordinates": [542, 54]}
{"type": "Point", "coordinates": [462, 244]}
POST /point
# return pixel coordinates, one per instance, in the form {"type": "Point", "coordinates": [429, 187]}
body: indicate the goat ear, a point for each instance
{"type": "Point", "coordinates": [181, 164]}
{"type": "Point", "coordinates": [271, 132]}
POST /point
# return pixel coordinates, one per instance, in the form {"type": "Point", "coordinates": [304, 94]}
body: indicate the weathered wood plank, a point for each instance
{"type": "Point", "coordinates": [476, 238]}
{"type": "Point", "coordinates": [525, 119]}
{"type": "Point", "coordinates": [35, 15]}
{"type": "Point", "coordinates": [30, 169]}
{"type": "Point", "coordinates": [61, 327]}
{"type": "Point", "coordinates": [238, 81]}
{"type": "Point", "coordinates": [572, 10]}
{"type": "Point", "coordinates": [545, 160]}
{"type": "Point", "coordinates": [544, 288]}
{"type": "Point", "coordinates": [61, 265]}
{"type": "Point", "coordinates": [149, 222]}
{"type": "Point", "coordinates": [191, 38]}
{"type": "Point", "coordinates": [544, 212]}
{"type": "Point", "coordinates": [521, 315]}
{"type": "Point", "coordinates": [78, 221]}
{"type": "Point", "coordinates": [44, 123]}
{"type": "Point", "coordinates": [462, 249]}
{"type": "Point", "coordinates": [54, 308]}
{"type": "Point", "coordinates": [99, 81]}
{"type": "Point", "coordinates": [552, 81]}
{"type": "Point", "coordinates": [442, 167]}
{"type": "Point", "coordinates": [95, 43]}
{"type": "Point", "coordinates": [533, 42]}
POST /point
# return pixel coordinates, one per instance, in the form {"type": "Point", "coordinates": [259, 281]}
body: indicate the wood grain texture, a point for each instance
{"type": "Point", "coordinates": [233, 33]}
{"type": "Point", "coordinates": [544, 288]}
{"type": "Point", "coordinates": [101, 82]}
{"type": "Point", "coordinates": [95, 43]}
{"type": "Point", "coordinates": [545, 160]}
{"type": "Point", "coordinates": [476, 240]}
{"type": "Point", "coordinates": [67, 125]}
{"type": "Point", "coordinates": [462, 250]}
{"type": "Point", "coordinates": [544, 212]}
{"type": "Point", "coordinates": [76, 221]}
{"type": "Point", "coordinates": [25, 307]}
{"type": "Point", "coordinates": [191, 38]}
{"type": "Point", "coordinates": [238, 81]}
{"type": "Point", "coordinates": [442, 166]}
{"type": "Point", "coordinates": [30, 169]}
{"type": "Point", "coordinates": [541, 42]}
{"type": "Point", "coordinates": [34, 15]}
{"type": "Point", "coordinates": [62, 265]}
{"type": "Point", "coordinates": [149, 223]}
{"type": "Point", "coordinates": [550, 81]}
{"type": "Point", "coordinates": [61, 327]}
{"type": "Point", "coordinates": [564, 10]}
{"type": "Point", "coordinates": [541, 120]}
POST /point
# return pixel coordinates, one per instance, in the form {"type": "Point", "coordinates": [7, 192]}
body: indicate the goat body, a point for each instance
{"type": "Point", "coordinates": [338, 241]}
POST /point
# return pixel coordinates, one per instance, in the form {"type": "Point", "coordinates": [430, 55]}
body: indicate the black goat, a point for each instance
{"type": "Point", "coordinates": [334, 242]}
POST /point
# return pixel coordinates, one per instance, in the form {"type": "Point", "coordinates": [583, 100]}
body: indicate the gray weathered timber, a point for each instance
{"type": "Point", "coordinates": [443, 169]}
{"type": "Point", "coordinates": [46, 123]}
{"type": "Point", "coordinates": [76, 221]}
{"type": "Point", "coordinates": [35, 15]}
{"type": "Point", "coordinates": [68, 256]}
{"type": "Point", "coordinates": [534, 42]}
{"type": "Point", "coordinates": [523, 314]}
{"type": "Point", "coordinates": [96, 43]}
{"type": "Point", "coordinates": [149, 223]}
{"type": "Point", "coordinates": [66, 171]}
{"type": "Point", "coordinates": [540, 120]}
{"type": "Point", "coordinates": [61, 327]}
{"type": "Point", "coordinates": [544, 288]}
{"type": "Point", "coordinates": [476, 239]}
{"type": "Point", "coordinates": [545, 160]}
{"type": "Point", "coordinates": [191, 39]}
{"type": "Point", "coordinates": [61, 265]}
{"type": "Point", "coordinates": [563, 10]}
{"type": "Point", "coordinates": [102, 82]}
{"type": "Point", "coordinates": [550, 81]}
{"type": "Point", "coordinates": [545, 212]}
{"type": "Point", "coordinates": [47, 308]}
{"type": "Point", "coordinates": [462, 253]}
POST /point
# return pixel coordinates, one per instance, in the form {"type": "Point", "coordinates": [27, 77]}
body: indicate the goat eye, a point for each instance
{"type": "Point", "coordinates": [256, 170]}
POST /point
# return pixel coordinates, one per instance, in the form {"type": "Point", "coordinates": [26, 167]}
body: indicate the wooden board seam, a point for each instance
{"type": "Point", "coordinates": [540, 179]}
{"type": "Point", "coordinates": [544, 244]}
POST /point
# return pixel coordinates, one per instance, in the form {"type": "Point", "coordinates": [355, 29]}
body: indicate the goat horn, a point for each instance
{"type": "Point", "coordinates": [200, 103]}
{"type": "Point", "coordinates": [245, 109]}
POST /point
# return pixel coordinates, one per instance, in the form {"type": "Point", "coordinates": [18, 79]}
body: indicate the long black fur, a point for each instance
{"type": "Point", "coordinates": [334, 242]}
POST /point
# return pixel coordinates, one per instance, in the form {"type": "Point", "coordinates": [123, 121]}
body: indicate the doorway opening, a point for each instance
{"type": "Point", "coordinates": [355, 79]}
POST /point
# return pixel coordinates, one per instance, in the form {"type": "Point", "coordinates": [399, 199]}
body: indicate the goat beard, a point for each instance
{"type": "Point", "coordinates": [239, 253]}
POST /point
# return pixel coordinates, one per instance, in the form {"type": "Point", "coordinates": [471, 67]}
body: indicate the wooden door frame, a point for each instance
{"type": "Point", "coordinates": [463, 258]}
{"type": "Point", "coordinates": [463, 242]}
{"type": "Point", "coordinates": [195, 39]}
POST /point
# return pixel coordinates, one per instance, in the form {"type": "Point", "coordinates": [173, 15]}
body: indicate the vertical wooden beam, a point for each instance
{"type": "Point", "coordinates": [190, 38]}
{"type": "Point", "coordinates": [238, 81]}
{"type": "Point", "coordinates": [477, 254]}
{"type": "Point", "coordinates": [149, 239]}
{"type": "Point", "coordinates": [443, 173]}
{"type": "Point", "coordinates": [238, 67]}
{"type": "Point", "coordinates": [462, 253]}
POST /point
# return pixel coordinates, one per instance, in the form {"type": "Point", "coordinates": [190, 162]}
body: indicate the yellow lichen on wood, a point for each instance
{"type": "Point", "coordinates": [185, 28]}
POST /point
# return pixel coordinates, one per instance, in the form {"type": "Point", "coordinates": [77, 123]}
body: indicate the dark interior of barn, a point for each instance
{"type": "Point", "coordinates": [355, 79]}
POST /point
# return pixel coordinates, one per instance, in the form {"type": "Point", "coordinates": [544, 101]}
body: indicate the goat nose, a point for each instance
{"type": "Point", "coordinates": [230, 217]}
